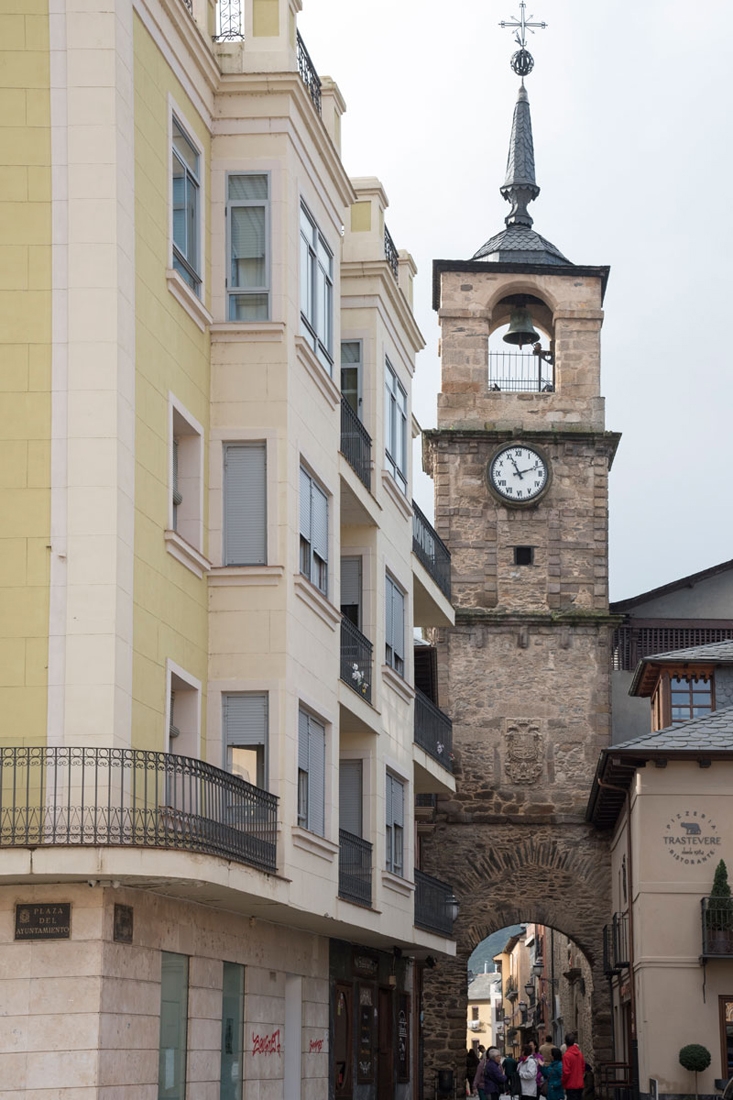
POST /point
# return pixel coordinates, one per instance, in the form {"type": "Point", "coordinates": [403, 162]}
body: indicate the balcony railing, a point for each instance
{"type": "Point", "coordinates": [390, 253]}
{"type": "Point", "coordinates": [355, 868]}
{"type": "Point", "coordinates": [105, 797]}
{"type": "Point", "coordinates": [431, 904]}
{"type": "Point", "coordinates": [356, 444]}
{"type": "Point", "coordinates": [308, 73]}
{"type": "Point", "coordinates": [431, 550]}
{"type": "Point", "coordinates": [632, 643]}
{"type": "Point", "coordinates": [717, 928]}
{"type": "Point", "coordinates": [520, 372]}
{"type": "Point", "coordinates": [230, 20]}
{"type": "Point", "coordinates": [433, 730]}
{"type": "Point", "coordinates": [356, 659]}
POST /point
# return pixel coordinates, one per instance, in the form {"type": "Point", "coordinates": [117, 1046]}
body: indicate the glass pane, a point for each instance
{"type": "Point", "coordinates": [306, 288]}
{"type": "Point", "coordinates": [248, 307]}
{"type": "Point", "coordinates": [350, 351]}
{"type": "Point", "coordinates": [247, 187]}
{"type": "Point", "coordinates": [231, 1032]}
{"type": "Point", "coordinates": [183, 272]}
{"type": "Point", "coordinates": [306, 226]}
{"type": "Point", "coordinates": [248, 763]}
{"type": "Point", "coordinates": [184, 148]}
{"type": "Point", "coordinates": [173, 1027]}
{"type": "Point", "coordinates": [324, 256]}
{"type": "Point", "coordinates": [248, 246]}
{"type": "Point", "coordinates": [179, 204]}
{"type": "Point", "coordinates": [350, 386]}
{"type": "Point", "coordinates": [192, 202]}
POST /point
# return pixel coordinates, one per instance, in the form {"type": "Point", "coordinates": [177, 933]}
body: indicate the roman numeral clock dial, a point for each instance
{"type": "Point", "coordinates": [518, 474]}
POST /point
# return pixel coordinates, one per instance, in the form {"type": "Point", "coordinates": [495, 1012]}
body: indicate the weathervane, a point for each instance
{"type": "Point", "coordinates": [522, 61]}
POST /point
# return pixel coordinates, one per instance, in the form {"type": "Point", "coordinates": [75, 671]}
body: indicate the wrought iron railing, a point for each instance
{"type": "Point", "coordinates": [355, 868]}
{"type": "Point", "coordinates": [230, 20]}
{"type": "Point", "coordinates": [632, 643]}
{"type": "Point", "coordinates": [308, 73]}
{"type": "Point", "coordinates": [189, 6]}
{"type": "Point", "coordinates": [109, 797]}
{"type": "Point", "coordinates": [620, 940]}
{"type": "Point", "coordinates": [431, 904]}
{"type": "Point", "coordinates": [520, 372]}
{"type": "Point", "coordinates": [614, 1081]}
{"type": "Point", "coordinates": [433, 730]}
{"type": "Point", "coordinates": [431, 550]}
{"type": "Point", "coordinates": [356, 659]}
{"type": "Point", "coordinates": [356, 444]}
{"type": "Point", "coordinates": [717, 927]}
{"type": "Point", "coordinates": [390, 253]}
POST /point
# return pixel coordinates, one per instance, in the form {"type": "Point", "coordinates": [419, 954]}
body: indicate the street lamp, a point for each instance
{"type": "Point", "coordinates": [529, 989]}
{"type": "Point", "coordinates": [453, 907]}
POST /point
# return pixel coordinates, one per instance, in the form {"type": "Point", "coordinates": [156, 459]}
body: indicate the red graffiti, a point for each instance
{"type": "Point", "coordinates": [266, 1044]}
{"type": "Point", "coordinates": [316, 1045]}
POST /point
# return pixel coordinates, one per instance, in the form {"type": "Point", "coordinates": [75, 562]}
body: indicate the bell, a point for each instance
{"type": "Point", "coordinates": [521, 330]}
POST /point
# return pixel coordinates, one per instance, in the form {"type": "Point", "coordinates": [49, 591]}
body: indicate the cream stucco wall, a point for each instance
{"type": "Point", "coordinates": [25, 379]}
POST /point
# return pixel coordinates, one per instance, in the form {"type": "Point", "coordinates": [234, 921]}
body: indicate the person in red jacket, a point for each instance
{"type": "Point", "coordinates": [573, 1068]}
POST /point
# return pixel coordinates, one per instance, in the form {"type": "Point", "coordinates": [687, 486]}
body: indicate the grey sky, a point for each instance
{"type": "Point", "coordinates": [631, 110]}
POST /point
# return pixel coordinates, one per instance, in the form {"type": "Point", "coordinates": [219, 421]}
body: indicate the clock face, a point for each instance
{"type": "Point", "coordinates": [518, 474]}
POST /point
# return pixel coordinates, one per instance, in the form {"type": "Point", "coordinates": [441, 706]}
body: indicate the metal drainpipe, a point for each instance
{"type": "Point", "coordinates": [632, 983]}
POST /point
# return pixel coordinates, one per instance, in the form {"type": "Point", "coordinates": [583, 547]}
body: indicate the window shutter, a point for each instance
{"type": "Point", "coordinates": [247, 187]}
{"type": "Point", "coordinates": [245, 504]}
{"type": "Point", "coordinates": [398, 622]}
{"type": "Point", "coordinates": [305, 504]}
{"type": "Point", "coordinates": [398, 802]}
{"type": "Point", "coordinates": [351, 583]}
{"type": "Point", "coordinates": [316, 776]}
{"type": "Point", "coordinates": [350, 796]}
{"type": "Point", "coordinates": [245, 719]}
{"type": "Point", "coordinates": [388, 600]}
{"type": "Point", "coordinates": [319, 519]}
{"type": "Point", "coordinates": [302, 741]}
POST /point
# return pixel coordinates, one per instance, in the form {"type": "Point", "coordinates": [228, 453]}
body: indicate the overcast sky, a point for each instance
{"type": "Point", "coordinates": [631, 111]}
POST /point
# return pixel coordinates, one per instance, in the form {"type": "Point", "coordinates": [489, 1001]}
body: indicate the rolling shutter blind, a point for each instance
{"type": "Point", "coordinates": [398, 622]}
{"type": "Point", "coordinates": [245, 504]}
{"type": "Point", "coordinates": [245, 719]}
{"type": "Point", "coordinates": [319, 521]}
{"type": "Point", "coordinates": [316, 776]}
{"type": "Point", "coordinates": [398, 803]}
{"type": "Point", "coordinates": [302, 741]}
{"type": "Point", "coordinates": [350, 796]}
{"type": "Point", "coordinates": [305, 505]}
{"type": "Point", "coordinates": [351, 585]}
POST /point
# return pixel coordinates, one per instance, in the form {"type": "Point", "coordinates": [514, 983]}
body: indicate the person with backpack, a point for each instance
{"type": "Point", "coordinates": [510, 1066]}
{"type": "Point", "coordinates": [552, 1074]}
{"type": "Point", "coordinates": [528, 1072]}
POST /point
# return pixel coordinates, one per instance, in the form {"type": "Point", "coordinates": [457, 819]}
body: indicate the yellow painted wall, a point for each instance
{"type": "Point", "coordinates": [172, 355]}
{"type": "Point", "coordinates": [25, 368]}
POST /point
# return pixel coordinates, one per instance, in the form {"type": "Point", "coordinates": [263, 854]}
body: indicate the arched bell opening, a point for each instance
{"type": "Point", "coordinates": [521, 346]}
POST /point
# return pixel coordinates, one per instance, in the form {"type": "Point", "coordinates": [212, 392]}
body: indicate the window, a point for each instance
{"type": "Point", "coordinates": [689, 698]}
{"type": "Point", "coordinates": [394, 626]}
{"type": "Point", "coordinates": [184, 711]}
{"type": "Point", "coordinates": [244, 721]}
{"type": "Point", "coordinates": [351, 796]}
{"type": "Point", "coordinates": [316, 289]}
{"type": "Point", "coordinates": [311, 773]}
{"type": "Point", "coordinates": [187, 476]}
{"type": "Point", "coordinates": [245, 504]}
{"type": "Point", "coordinates": [313, 532]}
{"type": "Point", "coordinates": [524, 555]}
{"type": "Point", "coordinates": [395, 824]}
{"type": "Point", "coordinates": [351, 590]}
{"type": "Point", "coordinates": [726, 1035]}
{"type": "Point", "coordinates": [351, 365]}
{"type": "Point", "coordinates": [232, 1016]}
{"type": "Point", "coordinates": [173, 1027]}
{"type": "Point", "coordinates": [395, 426]}
{"type": "Point", "coordinates": [186, 216]}
{"type": "Point", "coordinates": [248, 235]}
{"type": "Point", "coordinates": [474, 1012]}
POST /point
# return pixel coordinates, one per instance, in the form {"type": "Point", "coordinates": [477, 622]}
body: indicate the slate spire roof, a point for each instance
{"type": "Point", "coordinates": [519, 243]}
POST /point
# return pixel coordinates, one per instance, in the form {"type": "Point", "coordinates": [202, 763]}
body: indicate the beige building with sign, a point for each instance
{"type": "Point", "coordinates": [213, 732]}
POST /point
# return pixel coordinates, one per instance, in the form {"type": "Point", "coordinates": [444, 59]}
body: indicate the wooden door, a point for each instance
{"type": "Point", "coordinates": [385, 1049]}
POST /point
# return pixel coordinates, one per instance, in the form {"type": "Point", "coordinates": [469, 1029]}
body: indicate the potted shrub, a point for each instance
{"type": "Point", "coordinates": [719, 915]}
{"type": "Point", "coordinates": [695, 1058]}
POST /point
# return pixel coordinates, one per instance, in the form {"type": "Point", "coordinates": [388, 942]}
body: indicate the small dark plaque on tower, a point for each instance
{"type": "Point", "coordinates": [123, 924]}
{"type": "Point", "coordinates": [43, 921]}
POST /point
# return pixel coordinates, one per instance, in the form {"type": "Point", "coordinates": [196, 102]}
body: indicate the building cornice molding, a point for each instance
{"type": "Point", "coordinates": [380, 269]}
{"type": "Point", "coordinates": [467, 616]}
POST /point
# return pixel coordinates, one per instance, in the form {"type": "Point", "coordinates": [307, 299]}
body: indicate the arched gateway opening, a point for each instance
{"type": "Point", "coordinates": [554, 885]}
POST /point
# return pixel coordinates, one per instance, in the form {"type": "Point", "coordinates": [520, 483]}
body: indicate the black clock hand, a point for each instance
{"type": "Point", "coordinates": [514, 464]}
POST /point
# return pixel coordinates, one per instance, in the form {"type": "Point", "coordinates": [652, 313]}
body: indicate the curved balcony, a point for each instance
{"type": "Point", "coordinates": [132, 798]}
{"type": "Point", "coordinates": [432, 900]}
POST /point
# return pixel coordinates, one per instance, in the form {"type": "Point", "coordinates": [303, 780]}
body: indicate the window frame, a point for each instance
{"type": "Point", "coordinates": [182, 1003]}
{"type": "Point", "coordinates": [186, 464]}
{"type": "Point", "coordinates": [313, 564]}
{"type": "Point", "coordinates": [358, 367]}
{"type": "Point", "coordinates": [231, 1061]}
{"type": "Point", "coordinates": [233, 292]}
{"type": "Point", "coordinates": [394, 831]}
{"type": "Point", "coordinates": [260, 445]}
{"type": "Point", "coordinates": [180, 683]}
{"type": "Point", "coordinates": [394, 657]}
{"type": "Point", "coordinates": [310, 266]}
{"type": "Point", "coordinates": [191, 272]}
{"type": "Point", "coordinates": [311, 787]}
{"type": "Point", "coordinates": [393, 391]}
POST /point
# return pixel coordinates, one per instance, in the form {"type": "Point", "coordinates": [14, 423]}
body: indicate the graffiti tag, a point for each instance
{"type": "Point", "coordinates": [266, 1044]}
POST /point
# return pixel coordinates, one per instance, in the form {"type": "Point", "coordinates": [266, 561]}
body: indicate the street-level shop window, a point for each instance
{"type": "Point", "coordinates": [311, 772]}
{"type": "Point", "coordinates": [395, 426]}
{"type": "Point", "coordinates": [245, 504]}
{"type": "Point", "coordinates": [173, 1026]}
{"type": "Point", "coordinates": [313, 531]}
{"type": "Point", "coordinates": [185, 172]}
{"type": "Point", "coordinates": [316, 289]}
{"type": "Point", "coordinates": [248, 235]}
{"type": "Point", "coordinates": [395, 824]}
{"type": "Point", "coordinates": [232, 1017]}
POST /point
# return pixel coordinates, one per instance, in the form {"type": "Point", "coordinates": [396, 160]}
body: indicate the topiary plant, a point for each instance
{"type": "Point", "coordinates": [721, 904]}
{"type": "Point", "coordinates": [695, 1058]}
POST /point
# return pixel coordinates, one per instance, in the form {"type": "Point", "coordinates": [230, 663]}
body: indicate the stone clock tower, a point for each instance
{"type": "Point", "coordinates": [520, 461]}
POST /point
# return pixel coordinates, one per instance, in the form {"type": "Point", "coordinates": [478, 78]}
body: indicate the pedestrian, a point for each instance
{"type": "Point", "coordinates": [589, 1083]}
{"type": "Point", "coordinates": [478, 1077]}
{"type": "Point", "coordinates": [528, 1072]}
{"type": "Point", "coordinates": [552, 1075]}
{"type": "Point", "coordinates": [471, 1067]}
{"type": "Point", "coordinates": [494, 1081]}
{"type": "Point", "coordinates": [573, 1068]}
{"type": "Point", "coordinates": [546, 1050]}
{"type": "Point", "coordinates": [509, 1066]}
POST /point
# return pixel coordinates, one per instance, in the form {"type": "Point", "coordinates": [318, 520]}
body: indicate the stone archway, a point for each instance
{"type": "Point", "coordinates": [552, 875]}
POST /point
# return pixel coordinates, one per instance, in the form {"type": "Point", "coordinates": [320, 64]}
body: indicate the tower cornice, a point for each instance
{"type": "Point", "coordinates": [481, 267]}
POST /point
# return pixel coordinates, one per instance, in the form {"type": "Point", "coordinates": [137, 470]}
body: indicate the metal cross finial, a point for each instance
{"type": "Point", "coordinates": [521, 26]}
